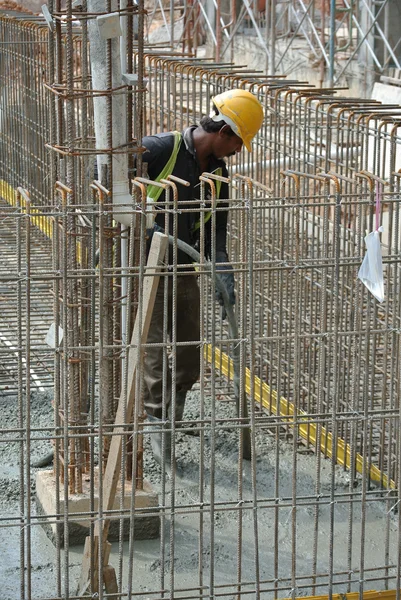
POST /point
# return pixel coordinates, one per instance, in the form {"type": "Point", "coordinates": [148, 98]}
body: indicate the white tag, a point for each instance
{"type": "Point", "coordinates": [51, 336]}
{"type": "Point", "coordinates": [371, 270]}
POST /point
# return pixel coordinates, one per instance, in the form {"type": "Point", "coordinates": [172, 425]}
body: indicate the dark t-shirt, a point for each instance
{"type": "Point", "coordinates": [159, 149]}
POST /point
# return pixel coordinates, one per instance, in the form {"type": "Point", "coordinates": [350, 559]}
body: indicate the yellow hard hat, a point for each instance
{"type": "Point", "coordinates": [242, 111]}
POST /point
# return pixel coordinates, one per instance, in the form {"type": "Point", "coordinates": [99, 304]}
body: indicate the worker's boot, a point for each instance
{"type": "Point", "coordinates": [179, 407]}
{"type": "Point", "coordinates": [156, 440]}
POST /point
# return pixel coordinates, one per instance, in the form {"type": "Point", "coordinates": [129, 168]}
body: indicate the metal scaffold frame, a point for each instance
{"type": "Point", "coordinates": [336, 34]}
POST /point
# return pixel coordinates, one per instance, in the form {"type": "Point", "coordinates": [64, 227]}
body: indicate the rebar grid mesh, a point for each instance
{"type": "Point", "coordinates": [318, 357]}
{"type": "Point", "coordinates": [321, 368]}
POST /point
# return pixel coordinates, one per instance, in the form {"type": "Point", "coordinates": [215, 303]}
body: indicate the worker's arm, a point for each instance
{"type": "Point", "coordinates": [158, 152]}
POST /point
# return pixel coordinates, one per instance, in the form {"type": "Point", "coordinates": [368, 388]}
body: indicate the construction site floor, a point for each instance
{"type": "Point", "coordinates": [228, 518]}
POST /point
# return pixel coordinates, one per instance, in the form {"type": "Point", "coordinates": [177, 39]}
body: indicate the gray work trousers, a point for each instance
{"type": "Point", "coordinates": [187, 357]}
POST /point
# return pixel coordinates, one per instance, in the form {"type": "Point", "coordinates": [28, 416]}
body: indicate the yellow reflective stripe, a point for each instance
{"type": "Point", "coordinates": [218, 183]}
{"type": "Point", "coordinates": [37, 218]}
{"type": "Point", "coordinates": [207, 215]}
{"type": "Point", "coordinates": [153, 191]}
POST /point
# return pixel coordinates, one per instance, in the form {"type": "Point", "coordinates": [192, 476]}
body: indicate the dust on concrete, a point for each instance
{"type": "Point", "coordinates": [13, 418]}
{"type": "Point", "coordinates": [202, 536]}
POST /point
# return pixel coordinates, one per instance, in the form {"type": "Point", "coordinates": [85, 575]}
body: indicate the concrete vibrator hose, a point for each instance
{"type": "Point", "coordinates": [240, 396]}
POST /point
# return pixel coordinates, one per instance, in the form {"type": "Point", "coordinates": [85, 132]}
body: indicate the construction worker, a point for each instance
{"type": "Point", "coordinates": [236, 118]}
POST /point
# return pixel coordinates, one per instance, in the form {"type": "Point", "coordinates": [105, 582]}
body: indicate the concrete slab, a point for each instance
{"type": "Point", "coordinates": [146, 524]}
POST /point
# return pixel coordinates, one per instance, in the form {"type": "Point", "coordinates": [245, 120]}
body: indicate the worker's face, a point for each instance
{"type": "Point", "coordinates": [227, 143]}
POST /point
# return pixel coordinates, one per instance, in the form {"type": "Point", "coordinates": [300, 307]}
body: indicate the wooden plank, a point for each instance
{"type": "Point", "coordinates": [138, 338]}
{"type": "Point", "coordinates": [85, 580]}
{"type": "Point", "coordinates": [112, 472]}
{"type": "Point", "coordinates": [110, 580]}
{"type": "Point", "coordinates": [106, 555]}
{"type": "Point", "coordinates": [93, 584]}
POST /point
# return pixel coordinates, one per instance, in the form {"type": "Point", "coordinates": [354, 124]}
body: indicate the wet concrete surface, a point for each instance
{"type": "Point", "coordinates": [205, 541]}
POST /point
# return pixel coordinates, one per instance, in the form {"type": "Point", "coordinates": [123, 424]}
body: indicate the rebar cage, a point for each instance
{"type": "Point", "coordinates": [313, 507]}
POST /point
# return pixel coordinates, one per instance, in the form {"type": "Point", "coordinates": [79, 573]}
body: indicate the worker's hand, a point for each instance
{"type": "Point", "coordinates": [151, 230]}
{"type": "Point", "coordinates": [226, 275]}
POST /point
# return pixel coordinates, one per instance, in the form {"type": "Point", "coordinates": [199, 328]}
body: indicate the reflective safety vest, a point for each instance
{"type": "Point", "coordinates": [154, 192]}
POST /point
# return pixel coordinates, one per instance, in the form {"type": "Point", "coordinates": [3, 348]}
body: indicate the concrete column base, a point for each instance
{"type": "Point", "coordinates": [146, 526]}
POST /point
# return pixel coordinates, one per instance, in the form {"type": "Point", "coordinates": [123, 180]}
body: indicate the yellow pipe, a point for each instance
{"type": "Point", "coordinates": [43, 222]}
{"type": "Point", "coordinates": [308, 431]}
{"type": "Point", "coordinates": [39, 219]}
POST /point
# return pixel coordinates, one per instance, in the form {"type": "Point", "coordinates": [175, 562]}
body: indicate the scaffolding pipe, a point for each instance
{"type": "Point", "coordinates": [364, 40]}
{"type": "Point", "coordinates": [332, 41]}
{"type": "Point", "coordinates": [120, 183]}
{"type": "Point", "coordinates": [272, 61]}
{"type": "Point", "coordinates": [172, 24]}
{"type": "Point", "coordinates": [375, 23]}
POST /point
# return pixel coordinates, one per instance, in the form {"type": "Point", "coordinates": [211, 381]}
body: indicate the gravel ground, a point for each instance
{"type": "Point", "coordinates": [41, 417]}
{"type": "Point", "coordinates": [153, 570]}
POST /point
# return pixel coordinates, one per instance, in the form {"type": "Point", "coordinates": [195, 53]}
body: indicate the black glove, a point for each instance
{"type": "Point", "coordinates": [226, 275]}
{"type": "Point", "coordinates": [150, 232]}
